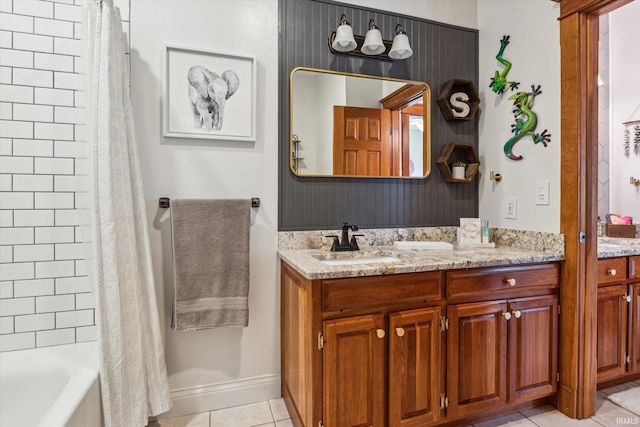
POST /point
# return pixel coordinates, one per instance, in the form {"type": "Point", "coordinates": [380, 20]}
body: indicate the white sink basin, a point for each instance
{"type": "Point", "coordinates": [422, 245]}
{"type": "Point", "coordinates": [362, 260]}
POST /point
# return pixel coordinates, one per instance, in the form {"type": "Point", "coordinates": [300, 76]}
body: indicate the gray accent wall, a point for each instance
{"type": "Point", "coordinates": [440, 52]}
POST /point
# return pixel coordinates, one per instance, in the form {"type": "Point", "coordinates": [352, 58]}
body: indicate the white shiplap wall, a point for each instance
{"type": "Point", "coordinates": [45, 297]}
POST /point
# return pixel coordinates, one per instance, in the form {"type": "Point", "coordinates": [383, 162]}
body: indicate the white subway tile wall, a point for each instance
{"type": "Point", "coordinates": [45, 294]}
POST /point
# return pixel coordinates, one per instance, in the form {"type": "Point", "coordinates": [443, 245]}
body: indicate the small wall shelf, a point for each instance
{"type": "Point", "coordinates": [295, 152]}
{"type": "Point", "coordinates": [454, 86]}
{"type": "Point", "coordinates": [458, 151]}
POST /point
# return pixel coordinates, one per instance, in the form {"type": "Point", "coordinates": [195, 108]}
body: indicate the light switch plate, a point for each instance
{"type": "Point", "coordinates": [511, 208]}
{"type": "Point", "coordinates": [542, 193]}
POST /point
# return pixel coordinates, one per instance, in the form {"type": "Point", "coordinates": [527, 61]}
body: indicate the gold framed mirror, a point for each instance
{"type": "Point", "coordinates": [354, 125]}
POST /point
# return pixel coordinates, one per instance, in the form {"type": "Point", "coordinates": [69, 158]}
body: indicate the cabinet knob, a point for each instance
{"type": "Point", "coordinates": [517, 313]}
{"type": "Point", "coordinates": [380, 333]}
{"type": "Point", "coordinates": [612, 271]}
{"type": "Point", "coordinates": [400, 332]}
{"type": "Point", "coordinates": [626, 297]}
{"type": "Point", "coordinates": [507, 315]}
{"type": "Point", "coordinates": [511, 282]}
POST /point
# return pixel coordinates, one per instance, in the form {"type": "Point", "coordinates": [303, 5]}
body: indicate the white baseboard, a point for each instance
{"type": "Point", "coordinates": [210, 397]}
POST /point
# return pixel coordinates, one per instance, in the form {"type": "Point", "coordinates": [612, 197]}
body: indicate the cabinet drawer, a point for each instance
{"type": "Point", "coordinates": [476, 282]}
{"type": "Point", "coordinates": [362, 292]}
{"type": "Point", "coordinates": [612, 269]}
{"type": "Point", "coordinates": [634, 267]}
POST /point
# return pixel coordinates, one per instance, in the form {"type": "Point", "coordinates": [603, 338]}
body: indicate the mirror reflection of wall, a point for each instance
{"type": "Point", "coordinates": [416, 136]}
{"type": "Point", "coordinates": [619, 95]}
{"type": "Point", "coordinates": [315, 95]}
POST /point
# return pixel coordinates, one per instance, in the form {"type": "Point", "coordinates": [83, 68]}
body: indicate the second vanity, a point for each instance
{"type": "Point", "coordinates": [618, 352]}
{"type": "Point", "coordinates": [417, 338]}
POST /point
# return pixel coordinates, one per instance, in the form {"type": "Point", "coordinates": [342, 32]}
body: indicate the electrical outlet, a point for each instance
{"type": "Point", "coordinates": [511, 208]}
{"type": "Point", "coordinates": [542, 193]}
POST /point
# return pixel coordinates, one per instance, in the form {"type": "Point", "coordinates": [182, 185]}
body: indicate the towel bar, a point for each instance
{"type": "Point", "coordinates": [165, 202]}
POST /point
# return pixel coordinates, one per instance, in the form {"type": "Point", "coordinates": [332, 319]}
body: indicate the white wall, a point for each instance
{"type": "Point", "coordinates": [305, 120]}
{"type": "Point", "coordinates": [459, 12]}
{"type": "Point", "coordinates": [329, 94]}
{"type": "Point", "coordinates": [534, 52]}
{"type": "Point", "coordinates": [624, 33]}
{"type": "Point", "coordinates": [226, 366]}
{"type": "Point", "coordinates": [223, 367]}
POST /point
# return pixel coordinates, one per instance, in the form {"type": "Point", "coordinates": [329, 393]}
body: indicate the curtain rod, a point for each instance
{"type": "Point", "coordinates": [165, 202]}
{"type": "Point", "coordinates": [632, 122]}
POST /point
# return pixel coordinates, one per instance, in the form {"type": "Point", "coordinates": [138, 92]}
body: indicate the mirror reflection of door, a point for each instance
{"type": "Point", "coordinates": [362, 141]}
{"type": "Point", "coordinates": [407, 113]}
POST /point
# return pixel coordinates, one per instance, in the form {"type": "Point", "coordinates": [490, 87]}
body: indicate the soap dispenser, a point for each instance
{"type": "Point", "coordinates": [485, 233]}
{"type": "Point", "coordinates": [600, 228]}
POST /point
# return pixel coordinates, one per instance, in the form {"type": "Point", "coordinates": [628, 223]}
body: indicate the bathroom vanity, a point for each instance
{"type": "Point", "coordinates": [434, 337]}
{"type": "Point", "coordinates": [618, 353]}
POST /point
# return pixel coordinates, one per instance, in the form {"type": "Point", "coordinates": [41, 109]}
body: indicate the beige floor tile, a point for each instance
{"type": "Point", "coordinates": [263, 414]}
{"type": "Point", "coordinates": [278, 409]}
{"type": "Point", "coordinates": [619, 387]}
{"type": "Point", "coordinates": [511, 420]}
{"type": "Point", "coordinates": [611, 415]}
{"type": "Point", "coordinates": [194, 420]}
{"type": "Point", "coordinates": [242, 416]}
{"type": "Point", "coordinates": [547, 416]}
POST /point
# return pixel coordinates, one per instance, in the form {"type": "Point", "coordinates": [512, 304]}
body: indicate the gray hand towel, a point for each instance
{"type": "Point", "coordinates": [211, 263]}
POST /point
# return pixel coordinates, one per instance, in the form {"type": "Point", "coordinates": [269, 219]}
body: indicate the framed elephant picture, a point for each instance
{"type": "Point", "coordinates": [209, 95]}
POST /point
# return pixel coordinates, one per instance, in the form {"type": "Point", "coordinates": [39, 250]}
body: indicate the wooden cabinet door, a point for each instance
{"type": "Point", "coordinates": [634, 328]}
{"type": "Point", "coordinates": [476, 357]}
{"type": "Point", "coordinates": [612, 331]}
{"type": "Point", "coordinates": [354, 377]}
{"type": "Point", "coordinates": [415, 369]}
{"type": "Point", "coordinates": [533, 347]}
{"type": "Point", "coordinates": [634, 267]}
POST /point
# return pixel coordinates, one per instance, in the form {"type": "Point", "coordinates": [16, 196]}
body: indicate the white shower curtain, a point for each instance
{"type": "Point", "coordinates": [133, 371]}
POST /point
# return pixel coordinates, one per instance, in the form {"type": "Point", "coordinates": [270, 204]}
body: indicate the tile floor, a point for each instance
{"type": "Point", "coordinates": [273, 413]}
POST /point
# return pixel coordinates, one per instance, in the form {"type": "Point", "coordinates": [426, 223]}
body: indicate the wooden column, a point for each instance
{"type": "Point", "coordinates": [578, 210]}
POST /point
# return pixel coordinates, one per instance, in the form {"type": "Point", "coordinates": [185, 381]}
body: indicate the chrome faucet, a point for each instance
{"type": "Point", "coordinates": [345, 244]}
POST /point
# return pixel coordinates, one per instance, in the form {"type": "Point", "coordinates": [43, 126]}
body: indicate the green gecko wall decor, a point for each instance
{"type": "Point", "coordinates": [526, 121]}
{"type": "Point", "coordinates": [499, 81]}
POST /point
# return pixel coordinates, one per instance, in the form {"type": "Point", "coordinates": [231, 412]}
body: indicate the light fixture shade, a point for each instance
{"type": "Point", "coordinates": [400, 49]}
{"type": "Point", "coordinates": [373, 44]}
{"type": "Point", "coordinates": [344, 41]}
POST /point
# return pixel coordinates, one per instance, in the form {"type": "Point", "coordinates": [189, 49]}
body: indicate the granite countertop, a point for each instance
{"type": "Point", "coordinates": [609, 247]}
{"type": "Point", "coordinates": [308, 262]}
{"type": "Point", "coordinates": [305, 251]}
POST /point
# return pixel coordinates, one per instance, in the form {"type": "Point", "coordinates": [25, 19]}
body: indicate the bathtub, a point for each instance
{"type": "Point", "coordinates": [51, 387]}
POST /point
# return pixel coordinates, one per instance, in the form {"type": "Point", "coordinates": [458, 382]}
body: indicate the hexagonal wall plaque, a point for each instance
{"type": "Point", "coordinates": [458, 100]}
{"type": "Point", "coordinates": [455, 151]}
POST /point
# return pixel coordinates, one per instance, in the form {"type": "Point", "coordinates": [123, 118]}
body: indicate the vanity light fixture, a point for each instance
{"type": "Point", "coordinates": [373, 44]}
{"type": "Point", "coordinates": [400, 48]}
{"type": "Point", "coordinates": [344, 41]}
